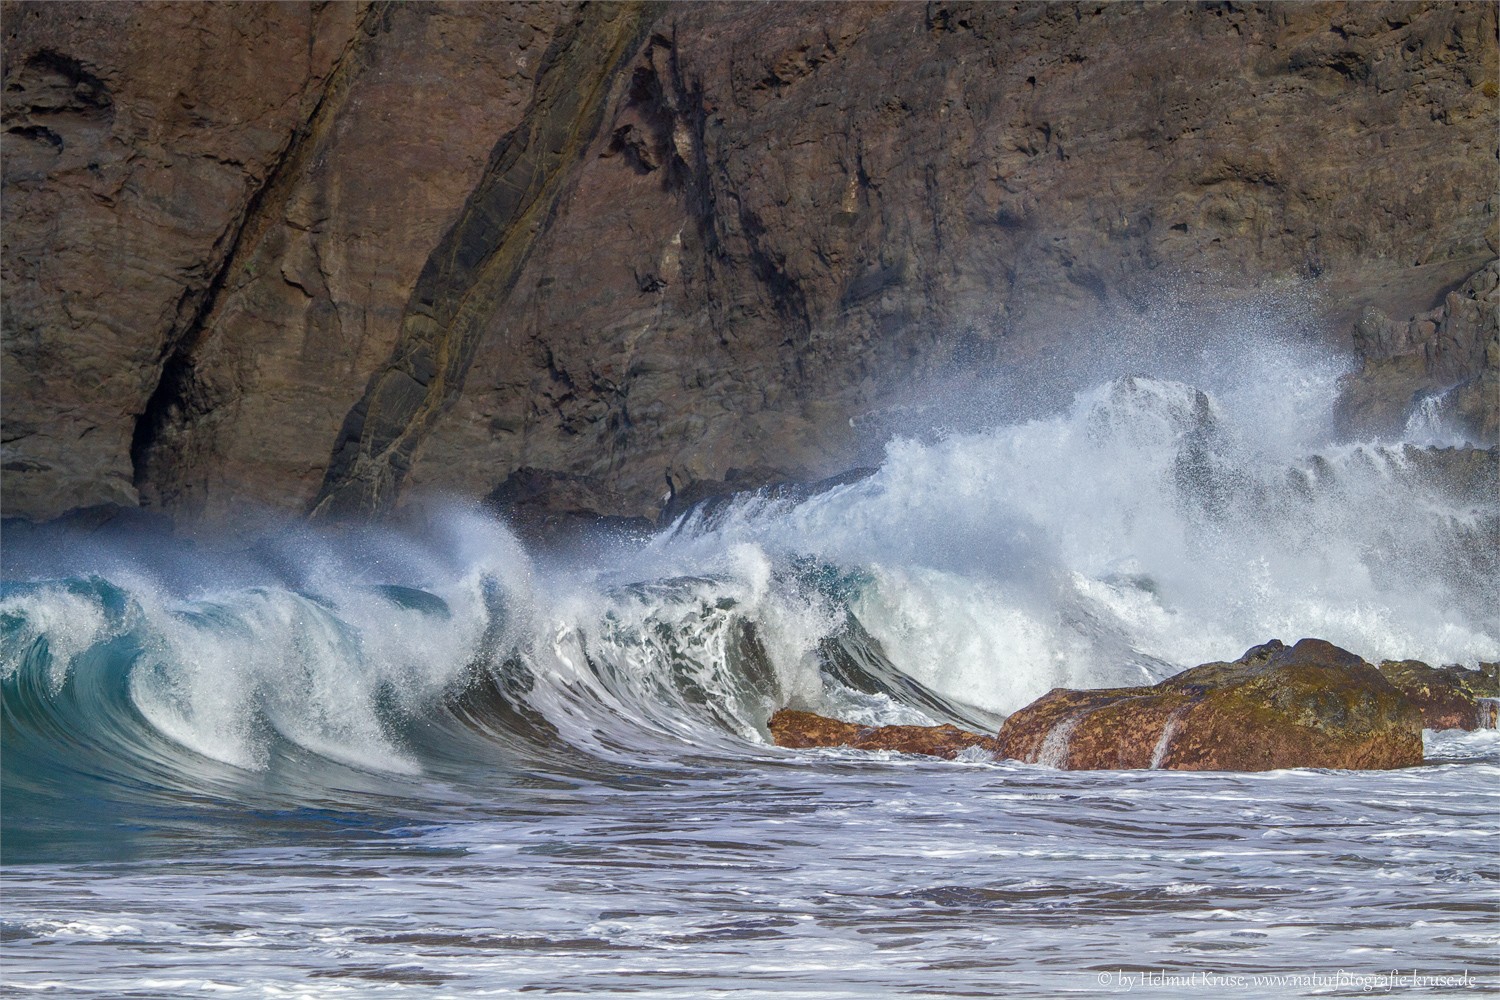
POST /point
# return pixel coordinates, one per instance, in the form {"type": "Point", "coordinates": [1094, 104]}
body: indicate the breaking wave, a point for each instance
{"type": "Point", "coordinates": [1150, 527]}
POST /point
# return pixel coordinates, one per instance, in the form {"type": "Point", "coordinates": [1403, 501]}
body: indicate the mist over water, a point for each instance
{"type": "Point", "coordinates": [391, 699]}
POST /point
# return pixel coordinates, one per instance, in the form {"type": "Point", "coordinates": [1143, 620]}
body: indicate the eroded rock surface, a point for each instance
{"type": "Point", "coordinates": [1309, 705]}
{"type": "Point", "coordinates": [1441, 366]}
{"type": "Point", "coordinates": [138, 141]}
{"type": "Point", "coordinates": [249, 414]}
{"type": "Point", "coordinates": [552, 511]}
{"type": "Point", "coordinates": [822, 209]}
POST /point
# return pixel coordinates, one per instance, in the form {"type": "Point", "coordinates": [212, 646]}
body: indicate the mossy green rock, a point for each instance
{"type": "Point", "coordinates": [1448, 696]}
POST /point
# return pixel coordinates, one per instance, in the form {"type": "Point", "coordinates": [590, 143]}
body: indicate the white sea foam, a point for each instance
{"type": "Point", "coordinates": [1148, 527]}
{"type": "Point", "coordinates": [69, 622]}
{"type": "Point", "coordinates": [633, 831]}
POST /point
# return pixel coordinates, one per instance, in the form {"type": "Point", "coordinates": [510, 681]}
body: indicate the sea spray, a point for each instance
{"type": "Point", "coordinates": [1148, 527]}
{"type": "Point", "coordinates": [427, 758]}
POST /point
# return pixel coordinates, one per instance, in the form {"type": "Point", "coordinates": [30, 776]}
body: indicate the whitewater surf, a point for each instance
{"type": "Point", "coordinates": [293, 762]}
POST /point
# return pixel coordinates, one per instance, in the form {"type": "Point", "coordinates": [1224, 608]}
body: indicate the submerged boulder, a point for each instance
{"type": "Point", "coordinates": [803, 730]}
{"type": "Point", "coordinates": [1448, 697]}
{"type": "Point", "coordinates": [1308, 705]}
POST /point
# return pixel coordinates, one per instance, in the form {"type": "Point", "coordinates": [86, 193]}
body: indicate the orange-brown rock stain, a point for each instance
{"type": "Point", "coordinates": [803, 730]}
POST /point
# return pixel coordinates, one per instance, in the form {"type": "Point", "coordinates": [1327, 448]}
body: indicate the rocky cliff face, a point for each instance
{"type": "Point", "coordinates": [1442, 366]}
{"type": "Point", "coordinates": [287, 257]}
{"type": "Point", "coordinates": [136, 143]}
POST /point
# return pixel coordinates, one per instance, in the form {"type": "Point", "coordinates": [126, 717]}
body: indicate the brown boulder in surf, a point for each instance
{"type": "Point", "coordinates": [1308, 705]}
{"type": "Point", "coordinates": [1448, 697]}
{"type": "Point", "coordinates": [804, 730]}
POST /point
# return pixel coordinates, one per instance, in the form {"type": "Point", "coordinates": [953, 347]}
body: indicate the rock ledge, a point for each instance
{"type": "Point", "coordinates": [803, 730]}
{"type": "Point", "coordinates": [1308, 705]}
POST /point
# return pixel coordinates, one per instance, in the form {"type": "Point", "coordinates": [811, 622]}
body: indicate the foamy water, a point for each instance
{"type": "Point", "coordinates": [431, 765]}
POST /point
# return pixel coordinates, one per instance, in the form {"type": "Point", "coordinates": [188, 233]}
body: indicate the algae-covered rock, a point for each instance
{"type": "Point", "coordinates": [1310, 705]}
{"type": "Point", "coordinates": [1446, 696]}
{"type": "Point", "coordinates": [802, 730]}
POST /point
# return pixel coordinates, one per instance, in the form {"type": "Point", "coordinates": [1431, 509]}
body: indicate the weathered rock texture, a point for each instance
{"type": "Point", "coordinates": [248, 414]}
{"type": "Point", "coordinates": [138, 141]}
{"type": "Point", "coordinates": [290, 257]}
{"type": "Point", "coordinates": [1489, 713]}
{"type": "Point", "coordinates": [1442, 365]}
{"type": "Point", "coordinates": [1310, 705]}
{"type": "Point", "coordinates": [1447, 697]}
{"type": "Point", "coordinates": [804, 730]}
{"type": "Point", "coordinates": [473, 270]}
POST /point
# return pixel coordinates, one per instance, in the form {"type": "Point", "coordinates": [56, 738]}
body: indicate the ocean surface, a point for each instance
{"type": "Point", "coordinates": [424, 763]}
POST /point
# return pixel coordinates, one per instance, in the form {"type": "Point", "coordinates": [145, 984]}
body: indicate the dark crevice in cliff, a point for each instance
{"type": "Point", "coordinates": [696, 181]}
{"type": "Point", "coordinates": [164, 406]}
{"type": "Point", "coordinates": [178, 398]}
{"type": "Point", "coordinates": [646, 144]}
{"type": "Point", "coordinates": [38, 132]}
{"type": "Point", "coordinates": [787, 296]}
{"type": "Point", "coordinates": [673, 106]}
{"type": "Point", "coordinates": [473, 270]}
{"type": "Point", "coordinates": [56, 83]}
{"type": "Point", "coordinates": [49, 96]}
{"type": "Point", "coordinates": [173, 398]}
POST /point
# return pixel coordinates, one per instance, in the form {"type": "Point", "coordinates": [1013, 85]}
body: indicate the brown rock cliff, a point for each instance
{"type": "Point", "coordinates": [273, 257]}
{"type": "Point", "coordinates": [138, 141]}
